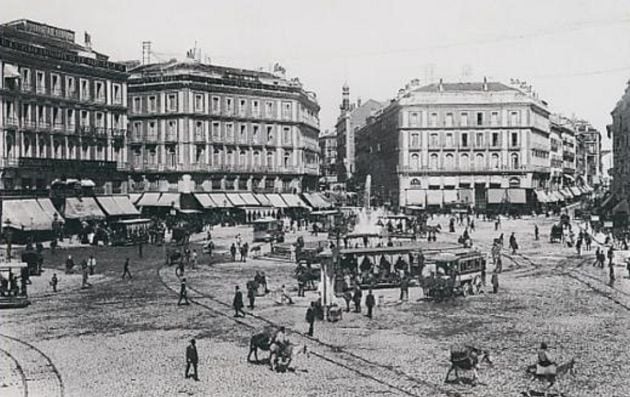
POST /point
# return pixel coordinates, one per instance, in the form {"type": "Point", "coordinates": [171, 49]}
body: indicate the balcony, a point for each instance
{"type": "Point", "coordinates": [26, 86]}
{"type": "Point", "coordinates": [28, 124]}
{"type": "Point", "coordinates": [72, 94]}
{"type": "Point", "coordinates": [71, 128]}
{"type": "Point", "coordinates": [151, 138]}
{"type": "Point", "coordinates": [118, 132]}
{"type": "Point", "coordinates": [199, 137]}
{"type": "Point", "coordinates": [58, 126]}
{"type": "Point", "coordinates": [12, 121]}
{"type": "Point", "coordinates": [40, 89]}
{"type": "Point", "coordinates": [56, 91]}
{"type": "Point", "coordinates": [43, 125]}
{"type": "Point", "coordinates": [170, 137]}
{"type": "Point", "coordinates": [100, 131]}
{"type": "Point", "coordinates": [100, 99]}
{"type": "Point", "coordinates": [9, 162]}
{"type": "Point", "coordinates": [85, 130]}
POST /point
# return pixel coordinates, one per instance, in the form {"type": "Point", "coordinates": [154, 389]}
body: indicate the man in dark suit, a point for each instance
{"type": "Point", "coordinates": [183, 294]}
{"type": "Point", "coordinates": [192, 359]}
{"type": "Point", "coordinates": [310, 318]}
{"type": "Point", "coordinates": [370, 302]}
{"type": "Point", "coordinates": [237, 303]}
{"type": "Point", "coordinates": [357, 299]}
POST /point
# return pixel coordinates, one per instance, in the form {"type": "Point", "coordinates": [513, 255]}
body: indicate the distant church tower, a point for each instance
{"type": "Point", "coordinates": [345, 97]}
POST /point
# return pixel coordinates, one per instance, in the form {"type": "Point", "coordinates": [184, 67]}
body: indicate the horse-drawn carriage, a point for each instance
{"type": "Point", "coordinates": [555, 236]}
{"type": "Point", "coordinates": [459, 272]}
{"type": "Point", "coordinates": [174, 257]}
{"type": "Point", "coordinates": [34, 260]}
{"type": "Point", "coordinates": [280, 353]}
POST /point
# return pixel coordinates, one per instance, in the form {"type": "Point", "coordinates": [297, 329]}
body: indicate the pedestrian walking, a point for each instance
{"type": "Point", "coordinates": [54, 281]}
{"type": "Point", "coordinates": [284, 295]}
{"type": "Point", "coordinates": [192, 359]}
{"type": "Point", "coordinates": [536, 232]}
{"type": "Point", "coordinates": [404, 289]}
{"type": "Point", "coordinates": [126, 271]}
{"type": "Point", "coordinates": [472, 225]}
{"type": "Point", "coordinates": [611, 255]}
{"type": "Point", "coordinates": [347, 296]}
{"type": "Point", "coordinates": [356, 297]}
{"type": "Point", "coordinates": [183, 294]}
{"type": "Point", "coordinates": [370, 302]}
{"type": "Point", "coordinates": [495, 282]}
{"type": "Point", "coordinates": [611, 274]}
{"type": "Point", "coordinates": [195, 258]}
{"type": "Point", "coordinates": [513, 243]}
{"type": "Point", "coordinates": [597, 253]}
{"type": "Point", "coordinates": [251, 295]}
{"type": "Point", "coordinates": [587, 241]}
{"type": "Point", "coordinates": [84, 274]}
{"type": "Point", "coordinates": [310, 318]}
{"type": "Point", "coordinates": [602, 259]}
{"type": "Point", "coordinates": [243, 254]}
{"type": "Point", "coordinates": [92, 264]}
{"type": "Point", "coordinates": [237, 303]}
{"type": "Point", "coordinates": [233, 252]}
{"type": "Point", "coordinates": [301, 283]}
{"type": "Point", "coordinates": [140, 245]}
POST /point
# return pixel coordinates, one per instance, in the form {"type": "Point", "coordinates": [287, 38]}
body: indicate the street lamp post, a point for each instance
{"type": "Point", "coordinates": [8, 233]}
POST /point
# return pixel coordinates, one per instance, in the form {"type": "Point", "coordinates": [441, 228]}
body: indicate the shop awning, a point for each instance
{"type": "Point", "coordinates": [220, 200]}
{"type": "Point", "coordinates": [264, 201]}
{"type": "Point", "coordinates": [110, 207]}
{"type": "Point", "coordinates": [316, 200]}
{"type": "Point", "coordinates": [450, 196]}
{"type": "Point", "coordinates": [516, 196]}
{"type": "Point", "coordinates": [204, 200]}
{"type": "Point", "coordinates": [169, 200]}
{"type": "Point", "coordinates": [567, 193]}
{"type": "Point", "coordinates": [435, 181]}
{"type": "Point", "coordinates": [25, 215]}
{"type": "Point", "coordinates": [134, 197]}
{"type": "Point", "coordinates": [294, 201]}
{"type": "Point", "coordinates": [49, 209]}
{"type": "Point", "coordinates": [434, 197]}
{"type": "Point", "coordinates": [466, 196]}
{"type": "Point", "coordinates": [588, 187]}
{"type": "Point", "coordinates": [126, 205]}
{"type": "Point", "coordinates": [236, 199]}
{"type": "Point", "coordinates": [249, 199]}
{"type": "Point", "coordinates": [450, 181]}
{"type": "Point", "coordinates": [276, 200]}
{"type": "Point", "coordinates": [11, 71]}
{"type": "Point", "coordinates": [576, 192]}
{"type": "Point", "coordinates": [496, 196]}
{"type": "Point", "coordinates": [415, 197]}
{"type": "Point", "coordinates": [541, 196]}
{"type": "Point", "coordinates": [148, 200]}
{"type": "Point", "coordinates": [82, 209]}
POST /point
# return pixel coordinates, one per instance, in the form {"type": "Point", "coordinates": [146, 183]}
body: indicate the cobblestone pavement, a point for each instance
{"type": "Point", "coordinates": [128, 337]}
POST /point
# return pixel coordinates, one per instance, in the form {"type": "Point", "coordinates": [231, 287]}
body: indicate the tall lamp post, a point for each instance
{"type": "Point", "coordinates": [8, 235]}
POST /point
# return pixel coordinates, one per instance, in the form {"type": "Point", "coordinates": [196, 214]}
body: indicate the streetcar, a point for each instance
{"type": "Point", "coordinates": [13, 278]}
{"type": "Point", "coordinates": [462, 270]}
{"type": "Point", "coordinates": [268, 229]}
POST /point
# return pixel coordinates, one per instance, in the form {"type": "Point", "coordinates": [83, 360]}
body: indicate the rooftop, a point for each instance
{"type": "Point", "coordinates": [472, 86]}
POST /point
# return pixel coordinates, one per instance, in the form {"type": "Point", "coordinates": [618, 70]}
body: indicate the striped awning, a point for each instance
{"type": "Point", "coordinates": [415, 197]}
{"type": "Point", "coordinates": [294, 201]}
{"type": "Point", "coordinates": [450, 196]}
{"type": "Point", "coordinates": [236, 199]}
{"type": "Point", "coordinates": [434, 197]}
{"type": "Point", "coordinates": [516, 196]}
{"type": "Point", "coordinates": [496, 196]}
{"type": "Point", "coordinates": [276, 200]}
{"type": "Point", "coordinates": [220, 200]}
{"type": "Point", "coordinates": [249, 199]}
{"type": "Point", "coordinates": [204, 200]}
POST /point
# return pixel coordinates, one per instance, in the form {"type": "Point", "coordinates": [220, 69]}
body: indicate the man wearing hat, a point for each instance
{"type": "Point", "coordinates": [192, 359]}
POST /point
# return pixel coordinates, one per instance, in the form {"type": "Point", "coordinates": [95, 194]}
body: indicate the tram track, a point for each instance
{"type": "Point", "coordinates": [335, 355]}
{"type": "Point", "coordinates": [38, 373]}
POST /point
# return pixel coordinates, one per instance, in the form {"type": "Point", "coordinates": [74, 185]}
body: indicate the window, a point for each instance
{"type": "Point", "coordinates": [242, 107]}
{"type": "Point", "coordinates": [464, 138]}
{"type": "Point", "coordinates": [171, 102]}
{"type": "Point", "coordinates": [71, 90]}
{"type": "Point", "coordinates": [256, 108]}
{"type": "Point", "coordinates": [242, 158]}
{"type": "Point", "coordinates": [229, 131]}
{"type": "Point", "coordinates": [287, 160]}
{"type": "Point", "coordinates": [216, 104]}
{"type": "Point", "coordinates": [413, 119]}
{"type": "Point", "coordinates": [433, 120]}
{"type": "Point", "coordinates": [229, 105]}
{"type": "Point", "coordinates": [152, 103]}
{"type": "Point", "coordinates": [117, 94]}
{"type": "Point", "coordinates": [514, 161]}
{"type": "Point", "coordinates": [449, 162]}
{"type": "Point", "coordinates": [270, 162]}
{"type": "Point", "coordinates": [40, 83]}
{"type": "Point", "coordinates": [55, 82]}
{"type": "Point", "coordinates": [464, 161]}
{"type": "Point", "coordinates": [243, 132]}
{"type": "Point", "coordinates": [479, 118]}
{"type": "Point", "coordinates": [415, 140]}
{"type": "Point", "coordinates": [198, 103]}
{"type": "Point", "coordinates": [495, 139]}
{"type": "Point", "coordinates": [85, 118]}
{"type": "Point", "coordinates": [26, 79]}
{"type": "Point", "coordinates": [255, 133]}
{"type": "Point", "coordinates": [463, 120]}
{"type": "Point", "coordinates": [84, 92]}
{"type": "Point", "coordinates": [100, 91]}
{"type": "Point", "coordinates": [286, 135]}
{"type": "Point", "coordinates": [256, 159]}
{"type": "Point", "coordinates": [216, 130]}
{"type": "Point", "coordinates": [152, 128]}
{"type": "Point", "coordinates": [479, 140]}
{"type": "Point", "coordinates": [435, 141]}
{"type": "Point", "coordinates": [415, 182]}
{"type": "Point", "coordinates": [269, 109]}
{"type": "Point", "coordinates": [433, 164]}
{"type": "Point", "coordinates": [449, 120]}
{"type": "Point", "coordinates": [269, 134]}
{"type": "Point", "coordinates": [479, 161]}
{"type": "Point", "coordinates": [415, 161]}
{"type": "Point", "coordinates": [135, 104]}
{"type": "Point", "coordinates": [100, 120]}
{"type": "Point", "coordinates": [449, 140]}
{"type": "Point", "coordinates": [494, 119]}
{"type": "Point", "coordinates": [199, 128]}
{"type": "Point", "coordinates": [514, 118]}
{"type": "Point", "coordinates": [70, 118]}
{"type": "Point", "coordinates": [514, 139]}
{"type": "Point", "coordinates": [229, 157]}
{"type": "Point", "coordinates": [494, 159]}
{"type": "Point", "coordinates": [286, 110]}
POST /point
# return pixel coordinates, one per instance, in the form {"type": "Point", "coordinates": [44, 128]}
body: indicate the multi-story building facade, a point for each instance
{"type": "Point", "coordinates": [619, 133]}
{"type": "Point", "coordinates": [352, 117]}
{"type": "Point", "coordinates": [448, 142]}
{"type": "Point", "coordinates": [328, 159]}
{"type": "Point", "coordinates": [563, 152]}
{"type": "Point", "coordinates": [63, 109]}
{"type": "Point", "coordinates": [229, 129]}
{"type": "Point", "coordinates": [588, 153]}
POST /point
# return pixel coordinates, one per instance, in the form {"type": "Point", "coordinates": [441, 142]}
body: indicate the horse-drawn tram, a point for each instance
{"type": "Point", "coordinates": [457, 272]}
{"type": "Point", "coordinates": [13, 276]}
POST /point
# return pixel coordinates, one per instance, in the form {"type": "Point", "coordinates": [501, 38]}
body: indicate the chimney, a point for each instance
{"type": "Point", "coordinates": [485, 84]}
{"type": "Point", "coordinates": [358, 102]}
{"type": "Point", "coordinates": [440, 86]}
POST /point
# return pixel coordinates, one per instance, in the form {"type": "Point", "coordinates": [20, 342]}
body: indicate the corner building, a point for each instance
{"type": "Point", "coordinates": [63, 110]}
{"type": "Point", "coordinates": [481, 144]}
{"type": "Point", "coordinates": [222, 128]}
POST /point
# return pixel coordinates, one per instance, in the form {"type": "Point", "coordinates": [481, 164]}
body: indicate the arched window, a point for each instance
{"type": "Point", "coordinates": [464, 161]}
{"type": "Point", "coordinates": [495, 160]}
{"type": "Point", "coordinates": [229, 159]}
{"type": "Point", "coordinates": [10, 146]}
{"type": "Point", "coordinates": [257, 159]}
{"type": "Point", "coordinates": [270, 162]}
{"type": "Point", "coordinates": [449, 162]}
{"type": "Point", "coordinates": [434, 162]}
{"type": "Point", "coordinates": [287, 160]}
{"type": "Point", "coordinates": [479, 161]}
{"type": "Point", "coordinates": [57, 150]}
{"type": "Point", "coordinates": [242, 158]}
{"type": "Point", "coordinates": [415, 161]}
{"type": "Point", "coordinates": [217, 157]}
{"type": "Point", "coordinates": [515, 182]}
{"type": "Point", "coordinates": [415, 182]}
{"type": "Point", "coordinates": [171, 156]}
{"type": "Point", "coordinates": [27, 147]}
{"type": "Point", "coordinates": [514, 161]}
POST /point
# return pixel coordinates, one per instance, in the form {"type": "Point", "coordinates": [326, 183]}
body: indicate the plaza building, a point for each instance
{"type": "Point", "coordinates": [328, 160]}
{"type": "Point", "coordinates": [619, 133]}
{"type": "Point", "coordinates": [588, 153]}
{"type": "Point", "coordinates": [352, 117]}
{"type": "Point", "coordinates": [63, 110]}
{"type": "Point", "coordinates": [481, 143]}
{"type": "Point", "coordinates": [221, 128]}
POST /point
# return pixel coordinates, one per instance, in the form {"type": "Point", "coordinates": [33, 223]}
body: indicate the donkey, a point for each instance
{"type": "Point", "coordinates": [467, 358]}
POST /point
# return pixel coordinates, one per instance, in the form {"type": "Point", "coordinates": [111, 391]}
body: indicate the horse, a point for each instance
{"type": "Point", "coordinates": [467, 358]}
{"type": "Point", "coordinates": [550, 376]}
{"type": "Point", "coordinates": [280, 357]}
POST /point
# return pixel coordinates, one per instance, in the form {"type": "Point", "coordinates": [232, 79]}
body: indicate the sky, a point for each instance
{"type": "Point", "coordinates": [575, 54]}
